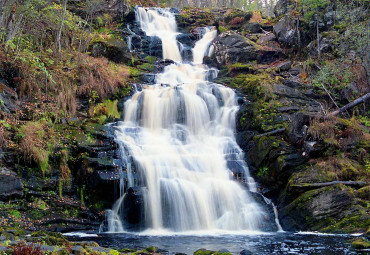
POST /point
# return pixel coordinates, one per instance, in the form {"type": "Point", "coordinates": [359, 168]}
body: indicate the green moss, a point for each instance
{"type": "Point", "coordinates": [364, 192]}
{"type": "Point", "coordinates": [149, 67]}
{"type": "Point", "coordinates": [208, 252]}
{"type": "Point", "coordinates": [15, 213]}
{"type": "Point", "coordinates": [360, 243]}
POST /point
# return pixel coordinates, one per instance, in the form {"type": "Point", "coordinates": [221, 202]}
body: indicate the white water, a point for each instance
{"type": "Point", "coordinates": [179, 133]}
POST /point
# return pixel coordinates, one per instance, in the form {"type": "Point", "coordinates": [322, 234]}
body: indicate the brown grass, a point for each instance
{"type": "Point", "coordinates": [256, 17]}
{"type": "Point", "coordinates": [33, 144]}
{"type": "Point", "coordinates": [66, 101]}
{"type": "Point", "coordinates": [97, 74]}
{"type": "Point", "coordinates": [237, 21]}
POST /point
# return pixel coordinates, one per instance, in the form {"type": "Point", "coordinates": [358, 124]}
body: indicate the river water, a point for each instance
{"type": "Point", "coordinates": [280, 243]}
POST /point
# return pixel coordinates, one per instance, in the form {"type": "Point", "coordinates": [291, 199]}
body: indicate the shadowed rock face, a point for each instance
{"type": "Point", "coordinates": [10, 185]}
{"type": "Point", "coordinates": [316, 207]}
{"type": "Point", "coordinates": [233, 48]}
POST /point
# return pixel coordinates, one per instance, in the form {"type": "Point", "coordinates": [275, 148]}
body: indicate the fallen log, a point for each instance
{"type": "Point", "coordinates": [358, 184]}
{"type": "Point", "coordinates": [352, 104]}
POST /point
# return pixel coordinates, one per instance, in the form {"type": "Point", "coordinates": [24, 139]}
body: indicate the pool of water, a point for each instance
{"type": "Point", "coordinates": [257, 243]}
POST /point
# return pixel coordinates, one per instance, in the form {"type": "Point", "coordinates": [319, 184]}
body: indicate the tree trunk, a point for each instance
{"type": "Point", "coordinates": [318, 36]}
{"type": "Point", "coordinates": [352, 104]}
{"type": "Point", "coordinates": [61, 27]}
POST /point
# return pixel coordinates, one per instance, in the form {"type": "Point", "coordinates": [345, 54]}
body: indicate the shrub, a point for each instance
{"type": "Point", "coordinates": [237, 21]}
{"type": "Point", "coordinates": [23, 248]}
{"type": "Point", "coordinates": [97, 74]}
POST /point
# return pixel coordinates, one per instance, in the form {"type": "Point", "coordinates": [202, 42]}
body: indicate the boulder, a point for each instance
{"type": "Point", "coordinates": [113, 49]}
{"type": "Point", "coordinates": [283, 6]}
{"type": "Point", "coordinates": [133, 208]}
{"type": "Point", "coordinates": [298, 128]}
{"type": "Point", "coordinates": [265, 39]}
{"type": "Point", "coordinates": [284, 66]}
{"type": "Point", "coordinates": [233, 48]}
{"type": "Point", "coordinates": [325, 46]}
{"type": "Point", "coordinates": [285, 31]}
{"type": "Point", "coordinates": [315, 209]}
{"type": "Point", "coordinates": [10, 185]}
{"type": "Point", "coordinates": [252, 28]}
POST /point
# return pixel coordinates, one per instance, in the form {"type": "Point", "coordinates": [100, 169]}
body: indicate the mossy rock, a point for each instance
{"type": "Point", "coordinates": [50, 238]}
{"type": "Point", "coordinates": [209, 252]}
{"type": "Point", "coordinates": [113, 49]}
{"type": "Point", "coordinates": [364, 193]}
{"type": "Point", "coordinates": [360, 243]}
{"type": "Point", "coordinates": [8, 235]}
{"type": "Point", "coordinates": [151, 249]}
{"type": "Point", "coordinates": [126, 250]}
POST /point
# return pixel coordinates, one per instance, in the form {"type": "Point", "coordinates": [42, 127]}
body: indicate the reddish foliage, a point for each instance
{"type": "Point", "coordinates": [237, 20]}
{"type": "Point", "coordinates": [26, 249]}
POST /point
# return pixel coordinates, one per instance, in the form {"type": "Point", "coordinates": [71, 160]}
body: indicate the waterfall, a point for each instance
{"type": "Point", "coordinates": [179, 135]}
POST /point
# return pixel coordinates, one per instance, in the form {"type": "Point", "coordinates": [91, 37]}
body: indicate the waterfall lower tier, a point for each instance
{"type": "Point", "coordinates": [177, 141]}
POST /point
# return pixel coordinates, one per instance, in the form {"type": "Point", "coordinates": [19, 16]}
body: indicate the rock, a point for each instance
{"type": "Point", "coordinates": [7, 101]}
{"type": "Point", "coordinates": [283, 6]}
{"type": "Point", "coordinates": [246, 252]}
{"type": "Point", "coordinates": [286, 32]}
{"type": "Point", "coordinates": [286, 91]}
{"type": "Point", "coordinates": [78, 250]}
{"type": "Point", "coordinates": [298, 128]}
{"type": "Point", "coordinates": [119, 8]}
{"type": "Point", "coordinates": [8, 236]}
{"type": "Point", "coordinates": [5, 250]}
{"type": "Point", "coordinates": [10, 185]}
{"type": "Point", "coordinates": [265, 39]}
{"type": "Point", "coordinates": [232, 48]}
{"type": "Point", "coordinates": [133, 207]}
{"type": "Point", "coordinates": [113, 49]}
{"type": "Point", "coordinates": [224, 251]}
{"type": "Point", "coordinates": [325, 46]}
{"type": "Point", "coordinates": [284, 66]}
{"type": "Point", "coordinates": [253, 28]}
{"type": "Point", "coordinates": [315, 209]}
{"type": "Point", "coordinates": [360, 243]}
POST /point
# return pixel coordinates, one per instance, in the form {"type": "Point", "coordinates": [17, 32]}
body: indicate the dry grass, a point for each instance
{"type": "Point", "coordinates": [66, 101]}
{"type": "Point", "coordinates": [337, 132]}
{"type": "Point", "coordinates": [340, 167]}
{"type": "Point", "coordinates": [256, 17]}
{"type": "Point", "coordinates": [35, 138]}
{"type": "Point", "coordinates": [97, 74]}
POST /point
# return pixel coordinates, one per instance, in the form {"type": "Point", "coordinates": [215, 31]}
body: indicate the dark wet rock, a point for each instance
{"type": "Point", "coordinates": [315, 209]}
{"type": "Point", "coordinates": [298, 128]}
{"type": "Point", "coordinates": [8, 101]}
{"type": "Point", "coordinates": [246, 252]}
{"type": "Point", "coordinates": [253, 28]}
{"type": "Point", "coordinates": [286, 32]}
{"type": "Point", "coordinates": [36, 183]}
{"type": "Point", "coordinates": [286, 91]}
{"type": "Point", "coordinates": [325, 46]}
{"type": "Point", "coordinates": [233, 48]}
{"type": "Point", "coordinates": [283, 6]}
{"type": "Point", "coordinates": [10, 185]}
{"type": "Point", "coordinates": [161, 64]}
{"type": "Point", "coordinates": [133, 208]}
{"type": "Point", "coordinates": [265, 39]}
{"type": "Point", "coordinates": [113, 49]}
{"type": "Point", "coordinates": [284, 66]}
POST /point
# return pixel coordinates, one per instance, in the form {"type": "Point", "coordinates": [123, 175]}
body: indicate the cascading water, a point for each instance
{"type": "Point", "coordinates": [179, 134]}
